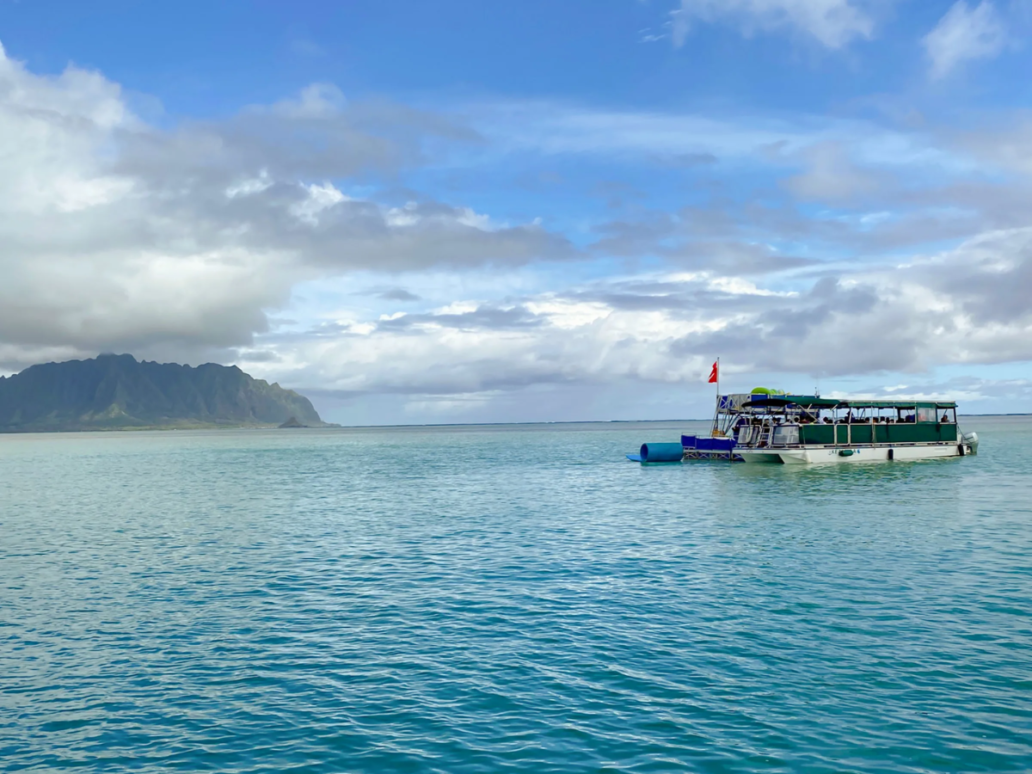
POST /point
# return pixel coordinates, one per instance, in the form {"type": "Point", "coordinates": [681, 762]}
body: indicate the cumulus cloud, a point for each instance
{"type": "Point", "coordinates": [833, 23]}
{"type": "Point", "coordinates": [964, 34]}
{"type": "Point", "coordinates": [119, 235]}
{"type": "Point", "coordinates": [962, 306]}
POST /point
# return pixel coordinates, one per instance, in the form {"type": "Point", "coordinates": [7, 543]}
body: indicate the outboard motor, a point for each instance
{"type": "Point", "coordinates": [971, 439]}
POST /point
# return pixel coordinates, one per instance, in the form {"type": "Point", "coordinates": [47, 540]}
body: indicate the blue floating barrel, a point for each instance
{"type": "Point", "coordinates": [661, 452]}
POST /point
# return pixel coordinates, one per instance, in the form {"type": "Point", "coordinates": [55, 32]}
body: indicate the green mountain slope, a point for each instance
{"type": "Point", "coordinates": [117, 391]}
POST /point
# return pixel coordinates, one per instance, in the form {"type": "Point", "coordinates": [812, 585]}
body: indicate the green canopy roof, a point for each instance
{"type": "Point", "coordinates": [812, 401]}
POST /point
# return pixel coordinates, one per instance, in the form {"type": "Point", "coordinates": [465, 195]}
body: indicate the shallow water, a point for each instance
{"type": "Point", "coordinates": [508, 598]}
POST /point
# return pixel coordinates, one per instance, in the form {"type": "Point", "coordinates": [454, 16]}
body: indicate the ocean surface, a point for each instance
{"type": "Point", "coordinates": [520, 598]}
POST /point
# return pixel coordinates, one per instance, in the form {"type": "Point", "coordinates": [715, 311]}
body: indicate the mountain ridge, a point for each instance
{"type": "Point", "coordinates": [117, 392]}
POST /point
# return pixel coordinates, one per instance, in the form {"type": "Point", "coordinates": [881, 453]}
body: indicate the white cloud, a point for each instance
{"type": "Point", "coordinates": [250, 185]}
{"type": "Point", "coordinates": [317, 100]}
{"type": "Point", "coordinates": [319, 198]}
{"type": "Point", "coordinates": [121, 236]}
{"type": "Point", "coordinates": [831, 175]}
{"type": "Point", "coordinates": [963, 306]}
{"type": "Point", "coordinates": [665, 138]}
{"type": "Point", "coordinates": [964, 34]}
{"type": "Point", "coordinates": [833, 23]}
{"type": "Point", "coordinates": [412, 214]}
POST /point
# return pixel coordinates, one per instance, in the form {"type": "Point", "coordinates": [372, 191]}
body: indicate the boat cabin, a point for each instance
{"type": "Point", "coordinates": [800, 420]}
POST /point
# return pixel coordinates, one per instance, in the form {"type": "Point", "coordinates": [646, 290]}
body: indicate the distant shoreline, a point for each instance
{"type": "Point", "coordinates": [160, 428]}
{"type": "Point", "coordinates": [330, 426]}
{"type": "Point", "coordinates": [593, 422]}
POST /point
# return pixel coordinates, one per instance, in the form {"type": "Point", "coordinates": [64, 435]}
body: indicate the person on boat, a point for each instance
{"type": "Point", "coordinates": [945, 418]}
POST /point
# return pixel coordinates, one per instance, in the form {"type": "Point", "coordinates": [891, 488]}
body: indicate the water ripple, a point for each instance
{"type": "Point", "coordinates": [492, 599]}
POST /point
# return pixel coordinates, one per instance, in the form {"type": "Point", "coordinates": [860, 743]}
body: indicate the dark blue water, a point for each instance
{"type": "Point", "coordinates": [508, 599]}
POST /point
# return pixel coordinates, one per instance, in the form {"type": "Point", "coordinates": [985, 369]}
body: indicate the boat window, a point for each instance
{"type": "Point", "coordinates": [785, 435]}
{"type": "Point", "coordinates": [926, 415]}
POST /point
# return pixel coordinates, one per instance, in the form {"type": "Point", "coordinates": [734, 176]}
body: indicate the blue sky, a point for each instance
{"type": "Point", "coordinates": [468, 211]}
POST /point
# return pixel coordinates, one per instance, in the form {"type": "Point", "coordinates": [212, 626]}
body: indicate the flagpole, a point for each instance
{"type": "Point", "coordinates": [716, 406]}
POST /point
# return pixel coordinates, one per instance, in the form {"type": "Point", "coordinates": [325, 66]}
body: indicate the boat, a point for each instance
{"type": "Point", "coordinates": [804, 429]}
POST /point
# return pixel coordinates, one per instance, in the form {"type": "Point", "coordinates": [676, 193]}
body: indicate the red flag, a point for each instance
{"type": "Point", "coordinates": [714, 376]}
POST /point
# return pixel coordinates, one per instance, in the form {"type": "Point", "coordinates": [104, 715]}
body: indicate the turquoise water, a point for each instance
{"type": "Point", "coordinates": [508, 599]}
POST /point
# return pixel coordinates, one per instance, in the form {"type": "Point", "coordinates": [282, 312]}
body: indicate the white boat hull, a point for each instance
{"type": "Point", "coordinates": [816, 455]}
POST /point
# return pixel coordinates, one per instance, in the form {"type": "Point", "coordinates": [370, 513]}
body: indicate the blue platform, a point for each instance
{"type": "Point", "coordinates": [703, 447]}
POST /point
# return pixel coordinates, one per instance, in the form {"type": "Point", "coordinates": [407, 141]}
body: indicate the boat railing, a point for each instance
{"type": "Point", "coordinates": [789, 436]}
